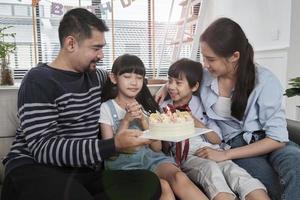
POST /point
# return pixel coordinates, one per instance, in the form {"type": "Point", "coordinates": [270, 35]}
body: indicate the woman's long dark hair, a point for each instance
{"type": "Point", "coordinates": [224, 37]}
{"type": "Point", "coordinates": [130, 64]}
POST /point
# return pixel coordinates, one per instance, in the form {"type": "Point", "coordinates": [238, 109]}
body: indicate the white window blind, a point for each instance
{"type": "Point", "coordinates": [133, 27]}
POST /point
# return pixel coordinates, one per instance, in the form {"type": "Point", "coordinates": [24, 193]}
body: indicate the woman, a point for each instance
{"type": "Point", "coordinates": [245, 100]}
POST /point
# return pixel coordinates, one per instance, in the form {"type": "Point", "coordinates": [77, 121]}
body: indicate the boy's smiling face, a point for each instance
{"type": "Point", "coordinates": [180, 90]}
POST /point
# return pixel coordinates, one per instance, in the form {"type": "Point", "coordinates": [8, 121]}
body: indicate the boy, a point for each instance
{"type": "Point", "coordinates": [219, 180]}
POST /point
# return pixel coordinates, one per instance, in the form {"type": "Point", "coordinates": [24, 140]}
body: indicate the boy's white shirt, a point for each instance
{"type": "Point", "coordinates": [198, 112]}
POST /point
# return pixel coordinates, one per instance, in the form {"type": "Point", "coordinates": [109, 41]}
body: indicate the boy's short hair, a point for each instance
{"type": "Point", "coordinates": [192, 70]}
{"type": "Point", "coordinates": [79, 23]}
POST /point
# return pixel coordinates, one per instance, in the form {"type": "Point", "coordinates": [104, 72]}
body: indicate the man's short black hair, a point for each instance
{"type": "Point", "coordinates": [79, 23]}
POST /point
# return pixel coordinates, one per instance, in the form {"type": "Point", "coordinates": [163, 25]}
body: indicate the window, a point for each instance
{"type": "Point", "coordinates": [6, 9]}
{"type": "Point", "coordinates": [22, 10]}
{"type": "Point", "coordinates": [136, 27]}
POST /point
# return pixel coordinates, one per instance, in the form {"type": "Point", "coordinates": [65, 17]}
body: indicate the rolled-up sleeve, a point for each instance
{"type": "Point", "coordinates": [271, 114]}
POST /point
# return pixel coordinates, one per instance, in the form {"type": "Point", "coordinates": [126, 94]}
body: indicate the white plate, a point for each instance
{"type": "Point", "coordinates": [198, 131]}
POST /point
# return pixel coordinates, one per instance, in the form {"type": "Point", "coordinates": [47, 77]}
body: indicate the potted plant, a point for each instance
{"type": "Point", "coordinates": [295, 89]}
{"type": "Point", "coordinates": [5, 49]}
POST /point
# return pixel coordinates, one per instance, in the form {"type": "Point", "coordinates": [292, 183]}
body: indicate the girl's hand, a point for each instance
{"type": "Point", "coordinates": [212, 154]}
{"type": "Point", "coordinates": [156, 145]}
{"type": "Point", "coordinates": [133, 111]}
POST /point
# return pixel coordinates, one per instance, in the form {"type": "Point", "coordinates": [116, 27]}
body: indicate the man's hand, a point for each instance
{"type": "Point", "coordinates": [161, 94]}
{"type": "Point", "coordinates": [212, 154]}
{"type": "Point", "coordinates": [129, 139]}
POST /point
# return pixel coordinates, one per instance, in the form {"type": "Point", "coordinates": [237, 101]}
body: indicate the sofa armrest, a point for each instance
{"type": "Point", "coordinates": [294, 130]}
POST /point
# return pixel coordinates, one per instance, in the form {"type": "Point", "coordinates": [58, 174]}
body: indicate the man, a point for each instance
{"type": "Point", "coordinates": [56, 154]}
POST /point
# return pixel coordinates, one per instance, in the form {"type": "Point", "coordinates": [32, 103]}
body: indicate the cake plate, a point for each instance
{"type": "Point", "coordinates": [198, 131]}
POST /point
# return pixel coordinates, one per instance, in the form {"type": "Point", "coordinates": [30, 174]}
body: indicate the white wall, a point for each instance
{"type": "Point", "coordinates": [273, 31]}
{"type": "Point", "coordinates": [266, 22]}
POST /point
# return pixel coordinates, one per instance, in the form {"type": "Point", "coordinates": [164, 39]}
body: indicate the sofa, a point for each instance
{"type": "Point", "coordinates": [9, 123]}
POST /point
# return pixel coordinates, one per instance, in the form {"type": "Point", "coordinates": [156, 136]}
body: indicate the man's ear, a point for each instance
{"type": "Point", "coordinates": [195, 87]}
{"type": "Point", "coordinates": [235, 57]}
{"type": "Point", "coordinates": [113, 78]}
{"type": "Point", "coordinates": [70, 43]}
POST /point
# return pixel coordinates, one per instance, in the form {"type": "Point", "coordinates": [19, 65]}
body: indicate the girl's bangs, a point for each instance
{"type": "Point", "coordinates": [137, 69]}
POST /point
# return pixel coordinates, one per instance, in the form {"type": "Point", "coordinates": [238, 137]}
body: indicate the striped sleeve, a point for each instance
{"type": "Point", "coordinates": [62, 131]}
{"type": "Point", "coordinates": [102, 76]}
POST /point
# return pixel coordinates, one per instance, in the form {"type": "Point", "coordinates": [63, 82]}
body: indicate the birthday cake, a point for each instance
{"type": "Point", "coordinates": [171, 124]}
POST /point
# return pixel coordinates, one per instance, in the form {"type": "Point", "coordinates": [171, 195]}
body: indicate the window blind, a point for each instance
{"type": "Point", "coordinates": [130, 24]}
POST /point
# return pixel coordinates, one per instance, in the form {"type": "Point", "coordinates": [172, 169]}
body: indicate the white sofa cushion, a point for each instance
{"type": "Point", "coordinates": [5, 144]}
{"type": "Point", "coordinates": [8, 121]}
{"type": "Point", "coordinates": [8, 114]}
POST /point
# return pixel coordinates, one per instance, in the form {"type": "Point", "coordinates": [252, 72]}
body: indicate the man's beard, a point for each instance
{"type": "Point", "coordinates": [92, 67]}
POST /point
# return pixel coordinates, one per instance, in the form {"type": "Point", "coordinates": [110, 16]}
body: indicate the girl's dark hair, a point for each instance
{"type": "Point", "coordinates": [224, 37]}
{"type": "Point", "coordinates": [192, 70]}
{"type": "Point", "coordinates": [130, 64]}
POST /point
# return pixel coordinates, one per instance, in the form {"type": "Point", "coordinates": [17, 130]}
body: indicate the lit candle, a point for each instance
{"type": "Point", "coordinates": [170, 114]}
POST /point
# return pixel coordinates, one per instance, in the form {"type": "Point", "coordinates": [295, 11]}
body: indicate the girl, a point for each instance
{"type": "Point", "coordinates": [126, 97]}
{"type": "Point", "coordinates": [219, 180]}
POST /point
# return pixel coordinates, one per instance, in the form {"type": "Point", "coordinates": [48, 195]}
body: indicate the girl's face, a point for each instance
{"type": "Point", "coordinates": [129, 84]}
{"type": "Point", "coordinates": [179, 90]}
{"type": "Point", "coordinates": [216, 65]}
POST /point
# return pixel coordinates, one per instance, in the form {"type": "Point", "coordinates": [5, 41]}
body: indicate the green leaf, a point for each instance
{"type": "Point", "coordinates": [295, 89]}
{"type": "Point", "coordinates": [6, 47]}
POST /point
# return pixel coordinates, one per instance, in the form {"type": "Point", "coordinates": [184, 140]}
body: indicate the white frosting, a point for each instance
{"type": "Point", "coordinates": [179, 124]}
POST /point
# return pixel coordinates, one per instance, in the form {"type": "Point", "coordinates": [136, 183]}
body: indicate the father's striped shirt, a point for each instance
{"type": "Point", "coordinates": [59, 112]}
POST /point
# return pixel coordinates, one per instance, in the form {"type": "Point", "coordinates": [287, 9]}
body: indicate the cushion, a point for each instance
{"type": "Point", "coordinates": [5, 144]}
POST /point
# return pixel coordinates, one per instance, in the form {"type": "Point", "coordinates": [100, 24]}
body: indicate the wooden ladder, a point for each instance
{"type": "Point", "coordinates": [189, 29]}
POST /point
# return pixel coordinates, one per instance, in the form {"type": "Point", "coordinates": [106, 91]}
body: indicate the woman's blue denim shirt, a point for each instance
{"type": "Point", "coordinates": [264, 109]}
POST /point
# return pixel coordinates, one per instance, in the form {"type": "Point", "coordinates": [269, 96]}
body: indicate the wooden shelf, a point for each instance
{"type": "Point", "coordinates": [156, 81]}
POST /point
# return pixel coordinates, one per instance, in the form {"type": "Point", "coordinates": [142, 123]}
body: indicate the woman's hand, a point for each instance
{"type": "Point", "coordinates": [212, 154]}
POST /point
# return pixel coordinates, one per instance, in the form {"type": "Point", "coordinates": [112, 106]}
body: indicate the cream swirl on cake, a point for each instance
{"type": "Point", "coordinates": [171, 124]}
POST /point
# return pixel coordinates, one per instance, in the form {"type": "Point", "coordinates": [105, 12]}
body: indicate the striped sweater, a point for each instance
{"type": "Point", "coordinates": [59, 112]}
